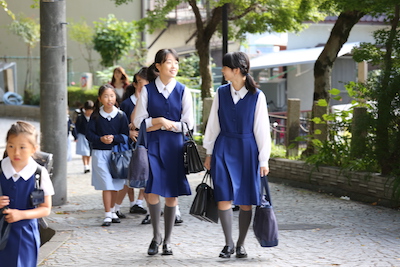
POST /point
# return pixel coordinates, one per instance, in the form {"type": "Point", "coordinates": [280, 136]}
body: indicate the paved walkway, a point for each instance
{"type": "Point", "coordinates": [315, 230]}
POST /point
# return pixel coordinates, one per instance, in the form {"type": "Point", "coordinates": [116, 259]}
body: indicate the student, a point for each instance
{"type": "Point", "coordinates": [17, 182]}
{"type": "Point", "coordinates": [108, 126]}
{"type": "Point", "coordinates": [82, 145]}
{"type": "Point", "coordinates": [164, 104]}
{"type": "Point", "coordinates": [120, 81]}
{"type": "Point", "coordinates": [127, 106]}
{"type": "Point", "coordinates": [238, 144]}
{"type": "Point", "coordinates": [71, 133]}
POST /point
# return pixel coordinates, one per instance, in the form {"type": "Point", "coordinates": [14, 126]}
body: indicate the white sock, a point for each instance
{"type": "Point", "coordinates": [177, 211]}
{"type": "Point", "coordinates": [133, 203]}
{"type": "Point", "coordinates": [107, 216]}
{"type": "Point", "coordinates": [112, 209]}
{"type": "Point", "coordinates": [113, 215]}
{"type": "Point", "coordinates": [139, 202]}
{"type": "Point", "coordinates": [117, 207]}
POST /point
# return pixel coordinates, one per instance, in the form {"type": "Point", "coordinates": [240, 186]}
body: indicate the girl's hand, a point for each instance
{"type": "Point", "coordinates": [107, 139]}
{"type": "Point", "coordinates": [133, 134]}
{"type": "Point", "coordinates": [13, 215]}
{"type": "Point", "coordinates": [4, 201]}
{"type": "Point", "coordinates": [167, 124]}
{"type": "Point", "coordinates": [264, 171]}
{"type": "Point", "coordinates": [207, 162]}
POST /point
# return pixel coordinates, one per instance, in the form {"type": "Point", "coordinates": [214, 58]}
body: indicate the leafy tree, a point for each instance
{"type": "Point", "coordinates": [113, 39]}
{"type": "Point", "coordinates": [350, 13]}
{"type": "Point", "coordinates": [83, 34]}
{"type": "Point", "coordinates": [243, 16]}
{"type": "Point", "coordinates": [29, 31]}
{"type": "Point", "coordinates": [4, 5]}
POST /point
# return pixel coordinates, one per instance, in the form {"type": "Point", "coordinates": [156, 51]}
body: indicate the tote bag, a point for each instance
{"type": "Point", "coordinates": [120, 158]}
{"type": "Point", "coordinates": [138, 172]}
{"type": "Point", "coordinates": [191, 157]}
{"type": "Point", "coordinates": [265, 225]}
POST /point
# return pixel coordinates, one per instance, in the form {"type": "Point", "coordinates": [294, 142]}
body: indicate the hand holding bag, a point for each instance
{"type": "Point", "coordinates": [204, 206]}
{"type": "Point", "coordinates": [120, 158]}
{"type": "Point", "coordinates": [265, 225]}
{"type": "Point", "coordinates": [138, 172]}
{"type": "Point", "coordinates": [191, 157]}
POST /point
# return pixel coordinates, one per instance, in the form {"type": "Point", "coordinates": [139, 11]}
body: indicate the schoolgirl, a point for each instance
{"type": "Point", "coordinates": [238, 144]}
{"type": "Point", "coordinates": [120, 81]}
{"type": "Point", "coordinates": [82, 145]}
{"type": "Point", "coordinates": [127, 106]}
{"type": "Point", "coordinates": [108, 126]}
{"type": "Point", "coordinates": [17, 181]}
{"type": "Point", "coordinates": [164, 104]}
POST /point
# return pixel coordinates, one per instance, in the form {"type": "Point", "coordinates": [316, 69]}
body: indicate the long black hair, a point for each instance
{"type": "Point", "coordinates": [240, 60]}
{"type": "Point", "coordinates": [161, 57]}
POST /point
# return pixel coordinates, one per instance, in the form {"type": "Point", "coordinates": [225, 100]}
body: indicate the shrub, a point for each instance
{"type": "Point", "coordinates": [77, 97]}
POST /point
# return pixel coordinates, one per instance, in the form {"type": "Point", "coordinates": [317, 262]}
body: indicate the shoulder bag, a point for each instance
{"type": "Point", "coordinates": [265, 225]}
{"type": "Point", "coordinates": [5, 227]}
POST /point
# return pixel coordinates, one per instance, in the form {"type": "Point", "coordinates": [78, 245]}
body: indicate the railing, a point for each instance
{"type": "Point", "coordinates": [278, 125]}
{"type": "Point", "coordinates": [197, 108]}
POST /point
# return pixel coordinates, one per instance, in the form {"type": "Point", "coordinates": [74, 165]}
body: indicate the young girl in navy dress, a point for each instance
{"type": "Point", "coordinates": [238, 144]}
{"type": "Point", "coordinates": [164, 104]}
{"type": "Point", "coordinates": [17, 182]}
{"type": "Point", "coordinates": [82, 145]}
{"type": "Point", "coordinates": [108, 126]}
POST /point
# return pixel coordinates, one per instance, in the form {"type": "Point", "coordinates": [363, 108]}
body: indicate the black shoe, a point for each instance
{"type": "Point", "coordinates": [86, 171]}
{"type": "Point", "coordinates": [137, 209]}
{"type": "Point", "coordinates": [178, 219]}
{"type": "Point", "coordinates": [226, 252]}
{"type": "Point", "coordinates": [153, 248]}
{"type": "Point", "coordinates": [166, 249]}
{"type": "Point", "coordinates": [120, 215]}
{"type": "Point", "coordinates": [235, 208]}
{"type": "Point", "coordinates": [147, 219]}
{"type": "Point", "coordinates": [241, 252]}
{"type": "Point", "coordinates": [115, 220]}
{"type": "Point", "coordinates": [106, 223]}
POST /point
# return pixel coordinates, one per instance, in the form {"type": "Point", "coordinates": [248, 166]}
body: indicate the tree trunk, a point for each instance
{"type": "Point", "coordinates": [386, 94]}
{"type": "Point", "coordinates": [203, 48]}
{"type": "Point", "coordinates": [323, 66]}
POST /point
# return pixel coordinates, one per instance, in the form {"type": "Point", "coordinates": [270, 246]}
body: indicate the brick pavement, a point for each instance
{"type": "Point", "coordinates": [315, 230]}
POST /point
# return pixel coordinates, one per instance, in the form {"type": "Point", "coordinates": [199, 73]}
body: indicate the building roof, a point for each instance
{"type": "Point", "coordinates": [294, 57]}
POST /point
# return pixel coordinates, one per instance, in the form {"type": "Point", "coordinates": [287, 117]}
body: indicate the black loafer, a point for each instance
{"type": "Point", "coordinates": [106, 224]}
{"type": "Point", "coordinates": [241, 252]}
{"type": "Point", "coordinates": [115, 220]}
{"type": "Point", "coordinates": [166, 249]}
{"type": "Point", "coordinates": [120, 215]}
{"type": "Point", "coordinates": [153, 248]}
{"type": "Point", "coordinates": [146, 219]}
{"type": "Point", "coordinates": [226, 252]}
{"type": "Point", "coordinates": [178, 219]}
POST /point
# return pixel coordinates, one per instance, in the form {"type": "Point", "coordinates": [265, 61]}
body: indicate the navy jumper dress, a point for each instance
{"type": "Point", "coordinates": [165, 148]}
{"type": "Point", "coordinates": [234, 165]}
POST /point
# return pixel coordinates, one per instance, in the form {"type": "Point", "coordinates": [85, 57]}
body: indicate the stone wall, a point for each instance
{"type": "Point", "coordinates": [366, 187]}
{"type": "Point", "coordinates": [25, 112]}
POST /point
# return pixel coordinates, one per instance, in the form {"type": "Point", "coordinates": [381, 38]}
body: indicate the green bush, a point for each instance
{"type": "Point", "coordinates": [77, 97]}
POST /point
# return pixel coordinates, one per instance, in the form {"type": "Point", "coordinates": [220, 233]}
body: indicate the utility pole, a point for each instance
{"type": "Point", "coordinates": [224, 34]}
{"type": "Point", "coordinates": [53, 91]}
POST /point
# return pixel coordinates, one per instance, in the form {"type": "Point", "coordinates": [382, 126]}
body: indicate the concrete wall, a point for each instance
{"type": "Point", "coordinates": [22, 112]}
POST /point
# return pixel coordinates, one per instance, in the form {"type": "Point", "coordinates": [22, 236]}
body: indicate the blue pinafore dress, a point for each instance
{"type": "Point", "coordinates": [234, 164]}
{"type": "Point", "coordinates": [167, 176]}
{"type": "Point", "coordinates": [24, 241]}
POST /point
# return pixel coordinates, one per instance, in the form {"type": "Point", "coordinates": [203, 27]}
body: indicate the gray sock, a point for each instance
{"type": "Point", "coordinates": [155, 213]}
{"type": "Point", "coordinates": [244, 223]}
{"type": "Point", "coordinates": [169, 221]}
{"type": "Point", "coordinates": [226, 221]}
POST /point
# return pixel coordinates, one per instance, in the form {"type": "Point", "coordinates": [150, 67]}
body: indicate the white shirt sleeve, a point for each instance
{"type": "Point", "coordinates": [187, 111]}
{"type": "Point", "coordinates": [45, 183]}
{"type": "Point", "coordinates": [262, 130]}
{"type": "Point", "coordinates": [141, 110]}
{"type": "Point", "coordinates": [213, 128]}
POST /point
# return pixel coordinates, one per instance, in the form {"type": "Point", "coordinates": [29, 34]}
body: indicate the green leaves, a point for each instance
{"type": "Point", "coordinates": [113, 39]}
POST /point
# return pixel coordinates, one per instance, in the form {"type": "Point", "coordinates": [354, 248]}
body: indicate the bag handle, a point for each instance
{"type": "Point", "coordinates": [264, 184]}
{"type": "Point", "coordinates": [189, 133]}
{"type": "Point", "coordinates": [142, 137]}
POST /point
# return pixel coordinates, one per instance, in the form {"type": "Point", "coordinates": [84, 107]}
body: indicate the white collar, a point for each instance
{"type": "Point", "coordinates": [133, 99]}
{"type": "Point", "coordinates": [241, 93]}
{"type": "Point", "coordinates": [25, 173]}
{"type": "Point", "coordinates": [160, 86]}
{"type": "Point", "coordinates": [110, 115]}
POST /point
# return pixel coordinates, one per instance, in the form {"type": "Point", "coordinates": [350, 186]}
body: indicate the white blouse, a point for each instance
{"type": "Point", "coordinates": [261, 127]}
{"type": "Point", "coordinates": [26, 173]}
{"type": "Point", "coordinates": [141, 106]}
